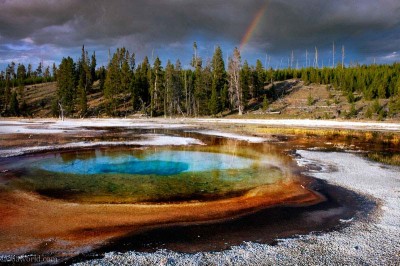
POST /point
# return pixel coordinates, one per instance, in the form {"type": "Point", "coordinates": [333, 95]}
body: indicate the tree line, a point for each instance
{"type": "Point", "coordinates": [372, 81]}
{"type": "Point", "coordinates": [18, 76]}
{"type": "Point", "coordinates": [74, 83]}
{"type": "Point", "coordinates": [204, 89]}
{"type": "Point", "coordinates": [207, 87]}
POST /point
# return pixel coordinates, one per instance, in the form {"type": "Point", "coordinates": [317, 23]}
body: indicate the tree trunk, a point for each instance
{"type": "Point", "coordinates": [62, 111]}
{"type": "Point", "coordinates": [240, 109]}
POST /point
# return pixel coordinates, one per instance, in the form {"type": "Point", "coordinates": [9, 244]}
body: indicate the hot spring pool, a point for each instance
{"type": "Point", "coordinates": [186, 198]}
{"type": "Point", "coordinates": [129, 176]}
{"type": "Point", "coordinates": [162, 163]}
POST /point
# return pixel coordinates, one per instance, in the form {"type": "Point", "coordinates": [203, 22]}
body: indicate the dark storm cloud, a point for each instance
{"type": "Point", "coordinates": [368, 27]}
{"type": "Point", "coordinates": [68, 22]}
{"type": "Point", "coordinates": [297, 24]}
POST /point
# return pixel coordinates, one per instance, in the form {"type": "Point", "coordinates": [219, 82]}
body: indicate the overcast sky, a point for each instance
{"type": "Point", "coordinates": [36, 30]}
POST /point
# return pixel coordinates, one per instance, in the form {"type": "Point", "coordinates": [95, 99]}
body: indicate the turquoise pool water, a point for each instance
{"type": "Point", "coordinates": [124, 175]}
{"type": "Point", "coordinates": [162, 163]}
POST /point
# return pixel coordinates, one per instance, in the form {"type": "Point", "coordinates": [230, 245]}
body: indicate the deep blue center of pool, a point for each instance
{"type": "Point", "coordinates": [142, 167]}
{"type": "Point", "coordinates": [157, 163]}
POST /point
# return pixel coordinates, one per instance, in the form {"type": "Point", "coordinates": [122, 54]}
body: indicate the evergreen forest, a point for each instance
{"type": "Point", "coordinates": [206, 88]}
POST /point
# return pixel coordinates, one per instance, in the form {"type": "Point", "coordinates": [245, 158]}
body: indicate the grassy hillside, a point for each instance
{"type": "Point", "coordinates": [38, 98]}
{"type": "Point", "coordinates": [293, 99]}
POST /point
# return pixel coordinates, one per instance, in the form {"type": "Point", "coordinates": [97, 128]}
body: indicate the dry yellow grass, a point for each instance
{"type": "Point", "coordinates": [386, 137]}
{"type": "Point", "coordinates": [393, 159]}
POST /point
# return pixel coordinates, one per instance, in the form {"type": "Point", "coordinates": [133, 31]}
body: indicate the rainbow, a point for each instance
{"type": "Point", "coordinates": [252, 27]}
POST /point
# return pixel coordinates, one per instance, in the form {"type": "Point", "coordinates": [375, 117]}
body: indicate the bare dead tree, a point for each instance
{"type": "Point", "coordinates": [316, 58]}
{"type": "Point", "coordinates": [291, 60]}
{"type": "Point", "coordinates": [306, 58]}
{"type": "Point", "coordinates": [333, 55]}
{"type": "Point", "coordinates": [186, 94]}
{"type": "Point", "coordinates": [266, 58]}
{"type": "Point", "coordinates": [342, 56]}
{"type": "Point", "coordinates": [62, 111]}
{"type": "Point", "coordinates": [235, 90]}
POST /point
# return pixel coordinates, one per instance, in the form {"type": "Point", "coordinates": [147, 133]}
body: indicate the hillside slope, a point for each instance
{"type": "Point", "coordinates": [39, 99]}
{"type": "Point", "coordinates": [293, 99]}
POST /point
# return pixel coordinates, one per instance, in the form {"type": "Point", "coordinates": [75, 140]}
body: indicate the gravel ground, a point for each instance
{"type": "Point", "coordinates": [374, 240]}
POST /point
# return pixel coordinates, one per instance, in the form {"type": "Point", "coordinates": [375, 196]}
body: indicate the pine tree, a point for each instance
{"type": "Point", "coordinates": [205, 95]}
{"type": "Point", "coordinates": [29, 72]}
{"type": "Point", "coordinates": [46, 74]}
{"type": "Point", "coordinates": [23, 110]}
{"type": "Point", "coordinates": [141, 86]}
{"type": "Point", "coordinates": [14, 105]}
{"type": "Point", "coordinates": [155, 87]}
{"type": "Point", "coordinates": [10, 76]}
{"type": "Point", "coordinates": [118, 79]}
{"type": "Point", "coordinates": [214, 105]}
{"type": "Point", "coordinates": [2, 92]}
{"type": "Point", "coordinates": [55, 112]}
{"type": "Point", "coordinates": [198, 88]}
{"type": "Point", "coordinates": [189, 91]}
{"type": "Point", "coordinates": [101, 75]}
{"type": "Point", "coordinates": [132, 61]}
{"type": "Point", "coordinates": [84, 83]}
{"type": "Point", "coordinates": [54, 70]}
{"type": "Point", "coordinates": [394, 106]}
{"type": "Point", "coordinates": [260, 79]}
{"type": "Point", "coordinates": [376, 107]}
{"type": "Point", "coordinates": [368, 113]}
{"type": "Point", "coordinates": [169, 88]}
{"type": "Point", "coordinates": [126, 76]}
{"type": "Point", "coordinates": [224, 97]}
{"type": "Point", "coordinates": [111, 85]}
{"type": "Point", "coordinates": [39, 70]}
{"type": "Point", "coordinates": [177, 94]}
{"type": "Point", "coordinates": [382, 90]}
{"type": "Point", "coordinates": [396, 91]}
{"type": "Point", "coordinates": [66, 92]}
{"type": "Point", "coordinates": [7, 96]}
{"type": "Point", "coordinates": [21, 73]}
{"type": "Point", "coordinates": [93, 64]}
{"type": "Point", "coordinates": [198, 81]}
{"type": "Point", "coordinates": [246, 82]}
{"type": "Point", "coordinates": [353, 111]}
{"type": "Point", "coordinates": [265, 103]}
{"type": "Point", "coordinates": [218, 81]}
{"type": "Point", "coordinates": [146, 80]}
